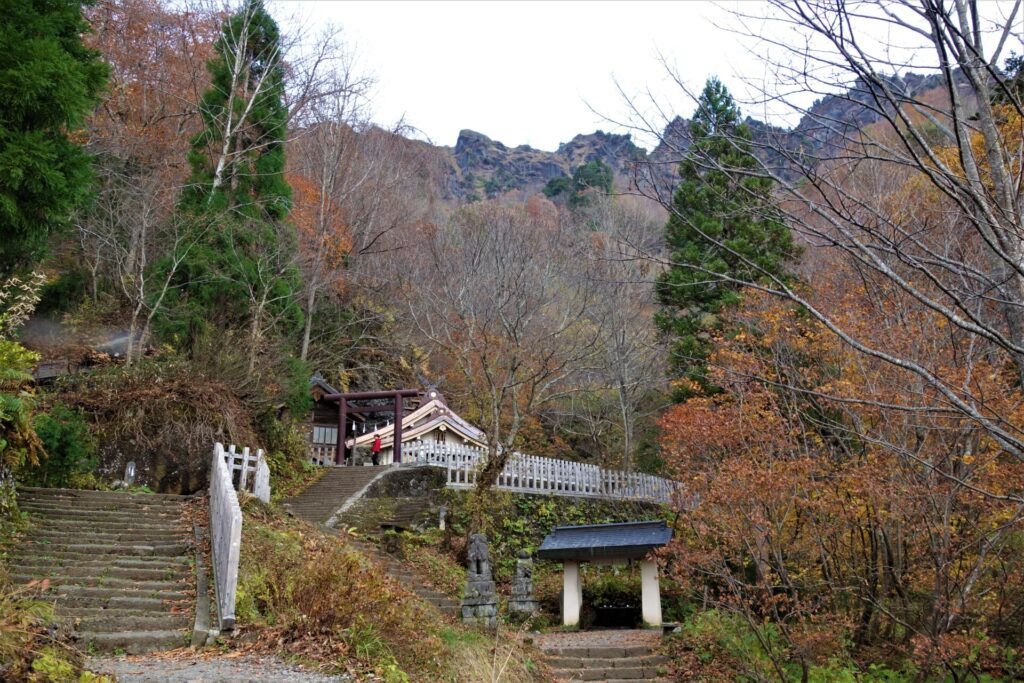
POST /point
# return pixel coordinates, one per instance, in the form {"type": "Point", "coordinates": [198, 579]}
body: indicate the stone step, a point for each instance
{"type": "Point", "coordinates": [33, 491]}
{"type": "Point", "coordinates": [120, 549]}
{"type": "Point", "coordinates": [76, 572]}
{"type": "Point", "coordinates": [99, 505]}
{"type": "Point", "coordinates": [43, 517]}
{"type": "Point", "coordinates": [133, 642]}
{"type": "Point", "coordinates": [75, 526]}
{"type": "Point", "coordinates": [108, 536]}
{"type": "Point", "coordinates": [49, 509]}
{"type": "Point", "coordinates": [623, 674]}
{"type": "Point", "coordinates": [59, 581]}
{"type": "Point", "coordinates": [650, 660]}
{"type": "Point", "coordinates": [48, 555]}
{"type": "Point", "coordinates": [121, 601]}
{"type": "Point", "coordinates": [597, 652]}
{"type": "Point", "coordinates": [87, 510]}
{"type": "Point", "coordinates": [102, 594]}
{"type": "Point", "coordinates": [106, 621]}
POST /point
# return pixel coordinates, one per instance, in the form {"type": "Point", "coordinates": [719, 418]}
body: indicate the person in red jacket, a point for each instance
{"type": "Point", "coordinates": [375, 450]}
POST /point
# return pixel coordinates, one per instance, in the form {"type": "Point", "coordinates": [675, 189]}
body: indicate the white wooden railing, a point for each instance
{"type": "Point", "coordinates": [253, 473]}
{"type": "Point", "coordinates": [225, 536]}
{"type": "Point", "coordinates": [537, 475]}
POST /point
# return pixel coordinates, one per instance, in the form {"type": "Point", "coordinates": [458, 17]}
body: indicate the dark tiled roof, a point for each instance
{"type": "Point", "coordinates": [623, 539]}
{"type": "Point", "coordinates": [318, 380]}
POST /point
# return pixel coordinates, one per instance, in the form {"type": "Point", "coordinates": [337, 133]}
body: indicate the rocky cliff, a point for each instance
{"type": "Point", "coordinates": [480, 167]}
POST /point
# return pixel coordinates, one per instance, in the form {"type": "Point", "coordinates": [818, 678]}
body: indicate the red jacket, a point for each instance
{"type": "Point", "coordinates": [376, 445]}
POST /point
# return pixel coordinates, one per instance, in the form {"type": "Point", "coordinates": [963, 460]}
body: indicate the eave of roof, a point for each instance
{"type": "Point", "coordinates": [411, 430]}
{"type": "Point", "coordinates": [596, 541]}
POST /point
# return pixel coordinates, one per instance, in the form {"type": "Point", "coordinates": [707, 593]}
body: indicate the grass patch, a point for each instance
{"type": "Point", "coordinates": [439, 568]}
{"type": "Point", "coordinates": [305, 594]}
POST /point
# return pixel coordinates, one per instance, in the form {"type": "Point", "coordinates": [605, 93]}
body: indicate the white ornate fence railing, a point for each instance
{"type": "Point", "coordinates": [225, 536]}
{"type": "Point", "coordinates": [253, 473]}
{"type": "Point", "coordinates": [545, 476]}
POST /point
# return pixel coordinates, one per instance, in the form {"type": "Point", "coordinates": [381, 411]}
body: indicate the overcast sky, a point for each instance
{"type": "Point", "coordinates": [535, 73]}
{"type": "Point", "coordinates": [525, 72]}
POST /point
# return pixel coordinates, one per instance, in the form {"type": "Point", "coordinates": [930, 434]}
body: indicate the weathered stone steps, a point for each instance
{"type": "Point", "coordinates": [409, 579]}
{"type": "Point", "coordinates": [60, 581]}
{"type": "Point", "coordinates": [94, 572]}
{"type": "Point", "coordinates": [606, 656]}
{"type": "Point", "coordinates": [136, 642]}
{"type": "Point", "coordinates": [117, 565]}
{"type": "Point", "coordinates": [323, 498]}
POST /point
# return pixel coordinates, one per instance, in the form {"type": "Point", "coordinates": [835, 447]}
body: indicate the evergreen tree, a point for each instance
{"type": "Point", "coordinates": [49, 81]}
{"type": "Point", "coordinates": [723, 231]}
{"type": "Point", "coordinates": [237, 160]}
{"type": "Point", "coordinates": [241, 272]}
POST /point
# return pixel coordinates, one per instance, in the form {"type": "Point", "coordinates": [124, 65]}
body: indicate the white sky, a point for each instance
{"type": "Point", "coordinates": [524, 72]}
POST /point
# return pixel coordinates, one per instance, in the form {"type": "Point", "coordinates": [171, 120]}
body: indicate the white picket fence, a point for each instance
{"type": "Point", "coordinates": [253, 473]}
{"type": "Point", "coordinates": [543, 476]}
{"type": "Point", "coordinates": [225, 536]}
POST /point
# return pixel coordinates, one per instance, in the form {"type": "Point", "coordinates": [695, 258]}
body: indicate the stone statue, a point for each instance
{"type": "Point", "coordinates": [521, 602]}
{"type": "Point", "coordinates": [480, 599]}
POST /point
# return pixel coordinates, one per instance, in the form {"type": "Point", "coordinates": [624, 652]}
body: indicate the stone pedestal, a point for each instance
{"type": "Point", "coordinates": [521, 602]}
{"type": "Point", "coordinates": [480, 599]}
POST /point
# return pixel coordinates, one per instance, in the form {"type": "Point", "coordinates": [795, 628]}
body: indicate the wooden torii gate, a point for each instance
{"type": "Point", "coordinates": [344, 409]}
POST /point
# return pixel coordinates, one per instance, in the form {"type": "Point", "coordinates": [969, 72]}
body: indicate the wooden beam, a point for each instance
{"type": "Point", "coordinates": [385, 408]}
{"type": "Point", "coordinates": [368, 395]}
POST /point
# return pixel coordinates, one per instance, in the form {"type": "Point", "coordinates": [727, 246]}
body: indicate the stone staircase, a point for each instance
{"type": "Point", "coordinates": [323, 498]}
{"type": "Point", "coordinates": [604, 656]}
{"type": "Point", "coordinates": [118, 565]}
{"type": "Point", "coordinates": [412, 581]}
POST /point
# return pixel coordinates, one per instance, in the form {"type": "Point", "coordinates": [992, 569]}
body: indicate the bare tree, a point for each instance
{"type": "Point", "coordinates": [942, 132]}
{"type": "Point", "coordinates": [500, 297]}
{"type": "Point", "coordinates": [906, 190]}
{"type": "Point", "coordinates": [627, 375]}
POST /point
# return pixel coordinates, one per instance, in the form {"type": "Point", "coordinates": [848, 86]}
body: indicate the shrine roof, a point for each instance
{"type": "Point", "coordinates": [594, 541]}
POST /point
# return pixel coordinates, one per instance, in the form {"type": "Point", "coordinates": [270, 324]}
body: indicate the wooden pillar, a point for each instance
{"type": "Point", "coordinates": [398, 429]}
{"type": "Point", "coordinates": [572, 593]}
{"type": "Point", "coordinates": [339, 456]}
{"type": "Point", "coordinates": [651, 595]}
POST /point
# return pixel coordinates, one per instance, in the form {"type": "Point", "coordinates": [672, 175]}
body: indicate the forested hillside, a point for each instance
{"type": "Point", "coordinates": [817, 331]}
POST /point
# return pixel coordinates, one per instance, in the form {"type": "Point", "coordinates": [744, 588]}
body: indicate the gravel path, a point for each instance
{"type": "Point", "coordinates": [207, 669]}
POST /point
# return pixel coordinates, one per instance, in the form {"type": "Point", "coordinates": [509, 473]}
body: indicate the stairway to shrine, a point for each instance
{"type": "Point", "coordinates": [319, 502]}
{"type": "Point", "coordinates": [115, 565]}
{"type": "Point", "coordinates": [628, 656]}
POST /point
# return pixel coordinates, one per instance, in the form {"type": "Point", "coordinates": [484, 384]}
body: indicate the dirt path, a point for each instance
{"type": "Point", "coordinates": [207, 669]}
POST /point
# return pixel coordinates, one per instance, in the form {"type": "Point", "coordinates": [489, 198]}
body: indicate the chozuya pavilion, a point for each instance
{"type": "Point", "coordinates": [607, 544]}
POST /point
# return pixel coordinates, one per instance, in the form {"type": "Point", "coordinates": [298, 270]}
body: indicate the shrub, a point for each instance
{"type": "Point", "coordinates": [70, 448]}
{"type": "Point", "coordinates": [31, 649]}
{"type": "Point", "coordinates": [321, 597]}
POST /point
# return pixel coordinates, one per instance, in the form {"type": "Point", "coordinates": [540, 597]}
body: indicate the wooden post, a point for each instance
{"type": "Point", "coordinates": [572, 593]}
{"type": "Point", "coordinates": [339, 456]}
{"type": "Point", "coordinates": [650, 594]}
{"type": "Point", "coordinates": [398, 428]}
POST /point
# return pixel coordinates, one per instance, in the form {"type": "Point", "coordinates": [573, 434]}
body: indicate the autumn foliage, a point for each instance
{"type": "Point", "coordinates": [833, 501]}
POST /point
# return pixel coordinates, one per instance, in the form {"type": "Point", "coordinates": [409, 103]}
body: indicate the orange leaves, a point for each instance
{"type": "Point", "coordinates": [320, 222]}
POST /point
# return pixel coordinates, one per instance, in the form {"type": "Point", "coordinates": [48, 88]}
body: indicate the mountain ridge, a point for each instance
{"type": "Point", "coordinates": [480, 167]}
